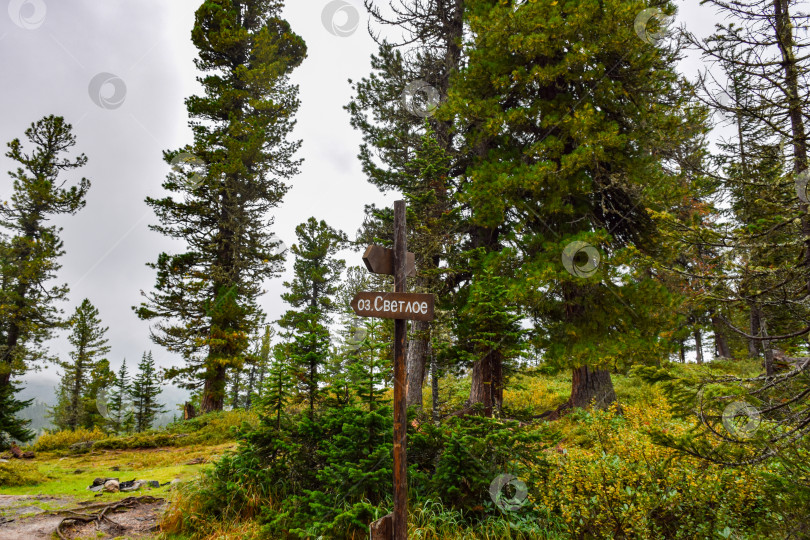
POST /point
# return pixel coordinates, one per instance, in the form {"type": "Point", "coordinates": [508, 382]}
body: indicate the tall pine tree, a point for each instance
{"type": "Point", "coordinates": [205, 297]}
{"type": "Point", "coordinates": [409, 148]}
{"type": "Point", "coordinates": [579, 129]}
{"type": "Point", "coordinates": [29, 251]}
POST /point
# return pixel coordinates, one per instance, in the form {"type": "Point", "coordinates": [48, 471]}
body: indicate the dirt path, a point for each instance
{"type": "Point", "coordinates": [22, 517]}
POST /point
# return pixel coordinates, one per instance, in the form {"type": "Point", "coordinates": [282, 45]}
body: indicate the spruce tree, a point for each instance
{"type": "Point", "coordinates": [120, 412]}
{"type": "Point", "coordinates": [13, 428]}
{"type": "Point", "coordinates": [763, 170]}
{"type": "Point", "coordinates": [145, 390]}
{"type": "Point", "coordinates": [29, 251]}
{"type": "Point", "coordinates": [277, 388]}
{"type": "Point", "coordinates": [84, 373]}
{"type": "Point", "coordinates": [259, 362]}
{"type": "Point", "coordinates": [241, 160]}
{"type": "Point", "coordinates": [311, 294]}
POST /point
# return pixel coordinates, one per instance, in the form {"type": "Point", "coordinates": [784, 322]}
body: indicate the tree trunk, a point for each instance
{"type": "Point", "coordinates": [720, 340]}
{"type": "Point", "coordinates": [188, 411]}
{"type": "Point", "coordinates": [416, 361]}
{"type": "Point", "coordinates": [753, 346]}
{"type": "Point", "coordinates": [793, 71]}
{"type": "Point", "coordinates": [434, 385]}
{"type": "Point", "coordinates": [213, 391]}
{"type": "Point", "coordinates": [698, 346]}
{"type": "Point", "coordinates": [682, 352]}
{"type": "Point", "coordinates": [766, 346]}
{"type": "Point", "coordinates": [497, 379]}
{"type": "Point", "coordinates": [481, 386]}
{"type": "Point", "coordinates": [591, 387]}
{"type": "Point", "coordinates": [235, 390]}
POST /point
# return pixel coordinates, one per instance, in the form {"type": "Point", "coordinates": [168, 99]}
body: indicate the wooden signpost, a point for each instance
{"type": "Point", "coordinates": [400, 306]}
{"type": "Point", "coordinates": [380, 260]}
{"type": "Point", "coordinates": [416, 307]}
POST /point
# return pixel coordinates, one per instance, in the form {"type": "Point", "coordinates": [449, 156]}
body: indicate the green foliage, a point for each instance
{"type": "Point", "coordinates": [213, 428]}
{"type": "Point", "coordinates": [278, 386]}
{"type": "Point", "coordinates": [12, 428]}
{"type": "Point", "coordinates": [597, 170]}
{"type": "Point", "coordinates": [145, 439]}
{"type": "Point", "coordinates": [350, 469]}
{"type": "Point", "coordinates": [208, 429]}
{"type": "Point", "coordinates": [457, 461]}
{"type": "Point", "coordinates": [622, 484]}
{"type": "Point", "coordinates": [327, 471]}
{"type": "Point", "coordinates": [85, 374]}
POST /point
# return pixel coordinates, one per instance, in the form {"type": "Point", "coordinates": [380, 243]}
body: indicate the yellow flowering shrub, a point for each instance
{"type": "Point", "coordinates": [615, 482]}
{"type": "Point", "coordinates": [61, 440]}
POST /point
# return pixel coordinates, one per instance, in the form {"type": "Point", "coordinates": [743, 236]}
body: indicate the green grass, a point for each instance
{"type": "Point", "coordinates": [61, 476]}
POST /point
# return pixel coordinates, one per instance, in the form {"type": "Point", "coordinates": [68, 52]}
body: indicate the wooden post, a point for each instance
{"type": "Point", "coordinates": [401, 307]}
{"type": "Point", "coordinates": [400, 521]}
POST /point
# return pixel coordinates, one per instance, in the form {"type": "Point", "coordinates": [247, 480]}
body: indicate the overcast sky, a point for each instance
{"type": "Point", "coordinates": [119, 71]}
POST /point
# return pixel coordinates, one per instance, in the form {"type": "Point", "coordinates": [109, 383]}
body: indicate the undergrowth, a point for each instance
{"type": "Point", "coordinates": [592, 474]}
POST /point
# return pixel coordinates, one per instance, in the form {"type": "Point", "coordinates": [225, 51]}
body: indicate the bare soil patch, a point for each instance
{"type": "Point", "coordinates": [140, 521]}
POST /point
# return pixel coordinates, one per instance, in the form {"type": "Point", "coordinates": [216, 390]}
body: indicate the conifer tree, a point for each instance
{"type": "Point", "coordinates": [86, 372]}
{"type": "Point", "coordinates": [235, 172]}
{"type": "Point", "coordinates": [101, 379]}
{"type": "Point", "coordinates": [236, 380]}
{"type": "Point", "coordinates": [311, 293]}
{"type": "Point", "coordinates": [30, 249]}
{"type": "Point", "coordinates": [565, 177]}
{"type": "Point", "coordinates": [488, 323]}
{"type": "Point", "coordinates": [121, 417]}
{"type": "Point", "coordinates": [260, 361]}
{"type": "Point", "coordinates": [764, 171]}
{"type": "Point", "coordinates": [277, 388]}
{"type": "Point", "coordinates": [145, 390]}
{"type": "Point", "coordinates": [11, 427]}
{"type": "Point", "coordinates": [408, 147]}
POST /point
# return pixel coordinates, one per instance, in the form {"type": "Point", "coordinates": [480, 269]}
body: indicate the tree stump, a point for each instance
{"type": "Point", "coordinates": [188, 411]}
{"type": "Point", "coordinates": [383, 528]}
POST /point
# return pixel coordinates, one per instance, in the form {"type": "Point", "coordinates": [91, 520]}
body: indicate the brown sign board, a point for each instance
{"type": "Point", "coordinates": [380, 260]}
{"type": "Point", "coordinates": [387, 305]}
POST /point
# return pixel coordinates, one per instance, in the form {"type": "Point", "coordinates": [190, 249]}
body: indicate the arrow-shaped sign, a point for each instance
{"type": "Point", "coordinates": [386, 305]}
{"type": "Point", "coordinates": [380, 260]}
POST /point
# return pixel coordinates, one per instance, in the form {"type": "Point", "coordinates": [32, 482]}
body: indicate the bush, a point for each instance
{"type": "Point", "coordinates": [147, 439]}
{"type": "Point", "coordinates": [17, 473]}
{"type": "Point", "coordinates": [208, 429]}
{"type": "Point", "coordinates": [624, 485]}
{"type": "Point", "coordinates": [457, 461]}
{"type": "Point", "coordinates": [214, 428]}
{"type": "Point", "coordinates": [61, 440]}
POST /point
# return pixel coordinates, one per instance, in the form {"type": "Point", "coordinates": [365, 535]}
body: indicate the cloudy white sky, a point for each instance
{"type": "Point", "coordinates": [51, 50]}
